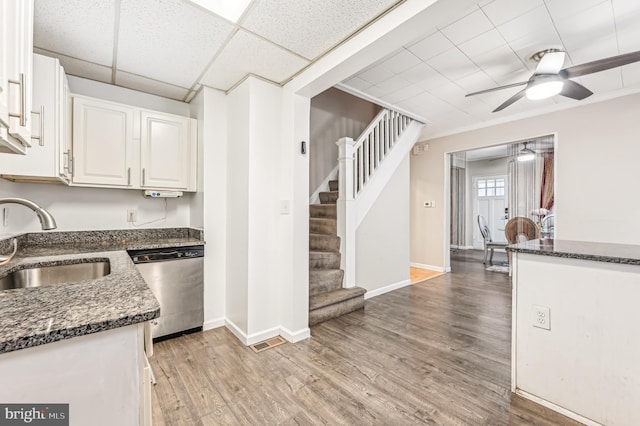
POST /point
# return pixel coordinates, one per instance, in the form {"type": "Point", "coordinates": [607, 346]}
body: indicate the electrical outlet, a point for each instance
{"type": "Point", "coordinates": [541, 318]}
{"type": "Point", "coordinates": [132, 215]}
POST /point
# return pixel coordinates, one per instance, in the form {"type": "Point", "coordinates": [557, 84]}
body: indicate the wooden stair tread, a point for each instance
{"type": "Point", "coordinates": [321, 300]}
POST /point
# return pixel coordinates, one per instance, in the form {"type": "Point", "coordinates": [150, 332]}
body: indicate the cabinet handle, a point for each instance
{"type": "Point", "coordinates": [129, 176]}
{"type": "Point", "coordinates": [40, 138]}
{"type": "Point", "coordinates": [23, 95]}
{"type": "Point", "coordinates": [67, 161]}
{"type": "Point", "coordinates": [73, 165]}
{"type": "Point", "coordinates": [143, 176]}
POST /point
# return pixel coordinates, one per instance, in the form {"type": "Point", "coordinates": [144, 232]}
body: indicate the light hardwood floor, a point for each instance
{"type": "Point", "coordinates": [431, 353]}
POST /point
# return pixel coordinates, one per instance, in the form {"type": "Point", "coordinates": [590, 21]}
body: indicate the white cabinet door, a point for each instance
{"type": "Point", "coordinates": [4, 78]}
{"type": "Point", "coordinates": [102, 142]}
{"type": "Point", "coordinates": [165, 151]}
{"type": "Point", "coordinates": [19, 69]}
{"type": "Point", "coordinates": [43, 161]}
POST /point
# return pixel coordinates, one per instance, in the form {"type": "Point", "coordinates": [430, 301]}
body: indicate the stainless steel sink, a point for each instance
{"type": "Point", "coordinates": [51, 275]}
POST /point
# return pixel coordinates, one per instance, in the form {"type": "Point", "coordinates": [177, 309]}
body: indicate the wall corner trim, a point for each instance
{"type": "Point", "coordinates": [295, 336]}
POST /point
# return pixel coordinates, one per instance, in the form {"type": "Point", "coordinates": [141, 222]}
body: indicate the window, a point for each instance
{"type": "Point", "coordinates": [490, 187]}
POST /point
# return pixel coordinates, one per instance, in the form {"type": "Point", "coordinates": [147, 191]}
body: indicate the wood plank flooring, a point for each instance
{"type": "Point", "coordinates": [431, 353]}
{"type": "Point", "coordinates": [417, 274]}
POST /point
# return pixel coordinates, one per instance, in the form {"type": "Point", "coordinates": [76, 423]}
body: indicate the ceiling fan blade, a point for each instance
{"type": "Point", "coordinates": [511, 100]}
{"type": "Point", "coordinates": [600, 65]}
{"type": "Point", "coordinates": [574, 90]}
{"type": "Point", "coordinates": [551, 63]}
{"type": "Point", "coordinates": [522, 83]}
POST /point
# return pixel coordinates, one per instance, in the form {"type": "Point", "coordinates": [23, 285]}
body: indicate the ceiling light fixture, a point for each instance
{"type": "Point", "coordinates": [544, 87]}
{"type": "Point", "coordinates": [526, 154]}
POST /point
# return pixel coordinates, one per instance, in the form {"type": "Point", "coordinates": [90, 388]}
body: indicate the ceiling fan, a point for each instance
{"type": "Point", "coordinates": [551, 79]}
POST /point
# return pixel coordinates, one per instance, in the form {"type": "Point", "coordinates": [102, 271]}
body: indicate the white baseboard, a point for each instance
{"type": "Point", "coordinates": [463, 247]}
{"type": "Point", "coordinates": [324, 186]}
{"type": "Point", "coordinates": [429, 267]}
{"type": "Point", "coordinates": [557, 408]}
{"type": "Point", "coordinates": [297, 336]}
{"type": "Point", "coordinates": [214, 323]}
{"type": "Point", "coordinates": [253, 338]}
{"type": "Point", "coordinates": [382, 290]}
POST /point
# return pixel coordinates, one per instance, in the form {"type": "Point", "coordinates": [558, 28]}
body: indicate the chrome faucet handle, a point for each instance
{"type": "Point", "coordinates": [7, 259]}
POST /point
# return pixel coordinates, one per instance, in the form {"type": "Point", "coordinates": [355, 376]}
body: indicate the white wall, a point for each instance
{"type": "Point", "coordinates": [595, 162]}
{"type": "Point", "coordinates": [210, 108]}
{"type": "Point", "coordinates": [334, 115]}
{"type": "Point", "coordinates": [382, 239]}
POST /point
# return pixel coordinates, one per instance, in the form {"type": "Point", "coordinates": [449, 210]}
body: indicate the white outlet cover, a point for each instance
{"type": "Point", "coordinates": [541, 317]}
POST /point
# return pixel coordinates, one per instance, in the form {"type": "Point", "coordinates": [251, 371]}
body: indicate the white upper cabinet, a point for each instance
{"type": "Point", "coordinates": [48, 159]}
{"type": "Point", "coordinates": [102, 142]}
{"type": "Point", "coordinates": [16, 22]}
{"type": "Point", "coordinates": [165, 151]}
{"type": "Point", "coordinates": [117, 145]}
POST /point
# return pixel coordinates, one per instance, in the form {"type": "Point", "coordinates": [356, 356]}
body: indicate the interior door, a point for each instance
{"type": "Point", "coordinates": [490, 200]}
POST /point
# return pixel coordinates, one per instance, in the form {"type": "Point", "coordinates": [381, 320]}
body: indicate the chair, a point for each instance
{"type": "Point", "coordinates": [489, 244]}
{"type": "Point", "coordinates": [520, 229]}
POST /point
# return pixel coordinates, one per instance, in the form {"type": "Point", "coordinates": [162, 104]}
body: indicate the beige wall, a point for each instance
{"type": "Point", "coordinates": [596, 160]}
{"type": "Point", "coordinates": [334, 115]}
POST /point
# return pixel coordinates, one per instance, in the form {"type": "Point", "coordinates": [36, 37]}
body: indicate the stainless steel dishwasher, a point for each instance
{"type": "Point", "coordinates": [176, 277]}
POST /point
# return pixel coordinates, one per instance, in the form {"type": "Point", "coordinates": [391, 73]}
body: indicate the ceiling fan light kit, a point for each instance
{"type": "Point", "coordinates": [550, 79]}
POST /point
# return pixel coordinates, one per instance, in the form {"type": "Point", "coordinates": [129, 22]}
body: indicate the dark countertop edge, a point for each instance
{"type": "Point", "coordinates": [26, 342]}
{"type": "Point", "coordinates": [581, 250]}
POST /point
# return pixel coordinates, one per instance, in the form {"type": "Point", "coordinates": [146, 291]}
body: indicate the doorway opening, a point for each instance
{"type": "Point", "coordinates": [493, 185]}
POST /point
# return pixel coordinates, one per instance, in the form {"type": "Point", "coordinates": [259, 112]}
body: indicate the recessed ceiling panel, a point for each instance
{"type": "Point", "coordinates": [76, 28]}
{"type": "Point", "coordinates": [80, 68]}
{"type": "Point", "coordinates": [142, 84]}
{"type": "Point", "coordinates": [249, 54]}
{"type": "Point", "coordinates": [310, 28]}
{"type": "Point", "coordinates": [168, 40]}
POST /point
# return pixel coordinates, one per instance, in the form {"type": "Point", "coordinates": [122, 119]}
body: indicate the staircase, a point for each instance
{"type": "Point", "coordinates": [327, 298]}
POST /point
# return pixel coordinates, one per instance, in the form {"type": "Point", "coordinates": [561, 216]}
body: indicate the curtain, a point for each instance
{"type": "Point", "coordinates": [547, 189]}
{"type": "Point", "coordinates": [458, 197]}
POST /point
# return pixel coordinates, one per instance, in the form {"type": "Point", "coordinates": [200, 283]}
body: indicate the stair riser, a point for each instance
{"type": "Point", "coordinates": [333, 185]}
{"type": "Point", "coordinates": [324, 243]}
{"type": "Point", "coordinates": [325, 280]}
{"type": "Point", "coordinates": [323, 211]}
{"type": "Point", "coordinates": [322, 226]}
{"type": "Point", "coordinates": [328, 260]}
{"type": "Point", "coordinates": [326, 313]}
{"type": "Point", "coordinates": [328, 197]}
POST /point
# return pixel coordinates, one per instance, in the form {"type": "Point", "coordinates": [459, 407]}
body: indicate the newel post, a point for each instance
{"type": "Point", "coordinates": [346, 215]}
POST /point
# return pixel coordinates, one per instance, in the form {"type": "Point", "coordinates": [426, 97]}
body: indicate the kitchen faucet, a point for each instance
{"type": "Point", "coordinates": [46, 222]}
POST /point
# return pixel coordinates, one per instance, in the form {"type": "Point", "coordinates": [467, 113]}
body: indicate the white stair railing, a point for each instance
{"type": "Point", "coordinates": [358, 161]}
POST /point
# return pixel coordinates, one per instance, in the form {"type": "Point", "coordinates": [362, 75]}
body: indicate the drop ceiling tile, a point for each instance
{"type": "Point", "coordinates": [76, 28]}
{"type": "Point", "coordinates": [394, 83]}
{"type": "Point", "coordinates": [310, 28]}
{"type": "Point", "coordinates": [597, 49]}
{"type": "Point", "coordinates": [453, 64]}
{"type": "Point", "coordinates": [420, 73]}
{"type": "Point", "coordinates": [231, 10]}
{"type": "Point", "coordinates": [628, 35]}
{"type": "Point", "coordinates": [587, 26]}
{"type": "Point", "coordinates": [622, 8]}
{"type": "Point", "coordinates": [499, 62]}
{"type": "Point", "coordinates": [80, 68]}
{"type": "Point", "coordinates": [401, 62]}
{"type": "Point", "coordinates": [483, 43]}
{"type": "Point", "coordinates": [402, 94]}
{"type": "Point", "coordinates": [531, 43]}
{"type": "Point", "coordinates": [475, 82]}
{"type": "Point", "coordinates": [535, 21]}
{"type": "Point", "coordinates": [168, 40]}
{"type": "Point", "coordinates": [631, 75]}
{"type": "Point", "coordinates": [604, 81]}
{"type": "Point", "coordinates": [433, 81]}
{"type": "Point", "coordinates": [142, 84]}
{"type": "Point", "coordinates": [357, 83]}
{"type": "Point", "coordinates": [501, 11]}
{"type": "Point", "coordinates": [249, 54]}
{"type": "Point", "coordinates": [376, 74]}
{"type": "Point", "coordinates": [431, 46]}
{"type": "Point", "coordinates": [468, 27]}
{"type": "Point", "coordinates": [376, 92]}
{"type": "Point", "coordinates": [562, 9]}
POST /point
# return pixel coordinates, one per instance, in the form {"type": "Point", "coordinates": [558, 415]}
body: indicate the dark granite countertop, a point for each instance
{"type": "Point", "coordinates": [600, 252]}
{"type": "Point", "coordinates": [39, 315]}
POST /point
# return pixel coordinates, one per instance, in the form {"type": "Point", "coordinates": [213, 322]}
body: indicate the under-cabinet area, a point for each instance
{"type": "Point", "coordinates": [80, 140]}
